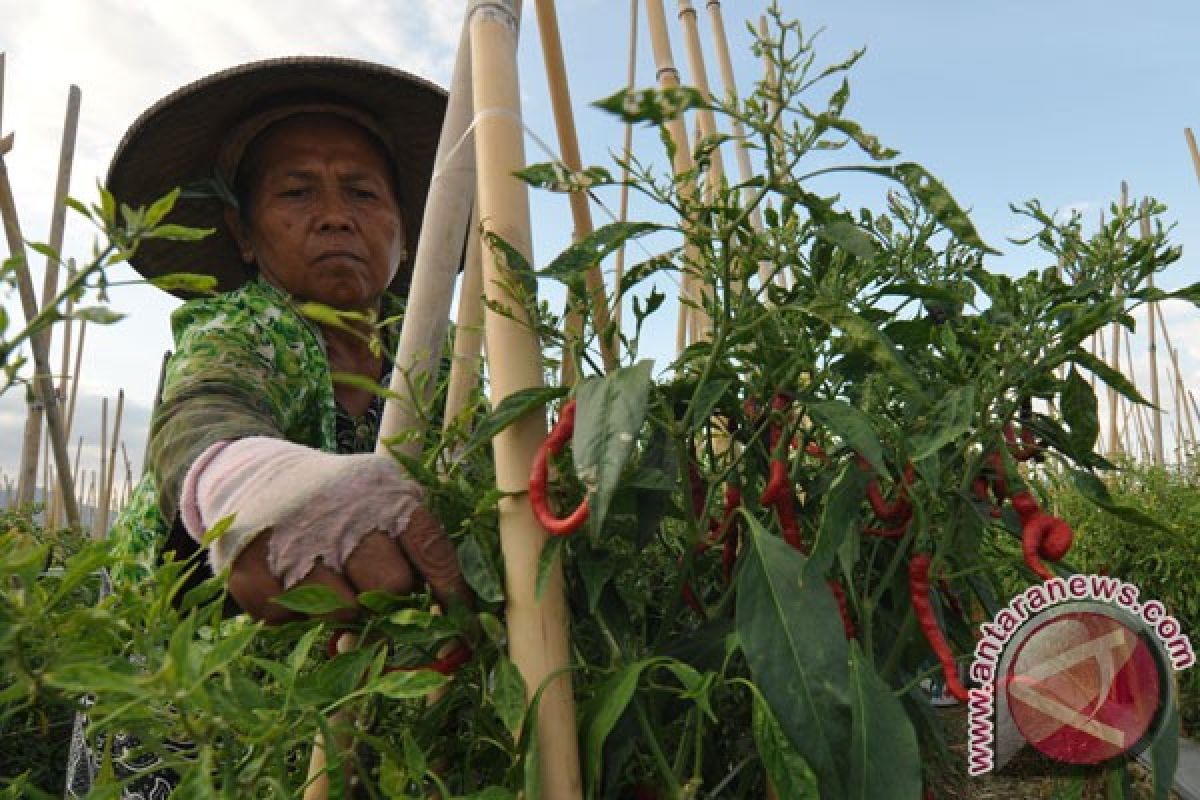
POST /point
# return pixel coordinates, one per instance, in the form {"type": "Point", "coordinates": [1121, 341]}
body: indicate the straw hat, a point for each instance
{"type": "Point", "coordinates": [180, 139]}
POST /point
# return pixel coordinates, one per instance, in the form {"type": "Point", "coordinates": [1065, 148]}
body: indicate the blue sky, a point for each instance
{"type": "Point", "coordinates": [1059, 100]}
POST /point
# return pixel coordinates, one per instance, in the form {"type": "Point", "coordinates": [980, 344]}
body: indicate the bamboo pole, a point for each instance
{"type": "Point", "coordinates": [96, 532]}
{"type": "Point", "coordinates": [42, 383]}
{"type": "Point", "coordinates": [1191, 141]}
{"type": "Point", "coordinates": [742, 150]}
{"type": "Point", "coordinates": [466, 367]}
{"type": "Point", "coordinates": [1114, 441]}
{"type": "Point", "coordinates": [447, 218]}
{"type": "Point", "coordinates": [668, 78]}
{"type": "Point", "coordinates": [627, 152]}
{"type": "Point", "coordinates": [1152, 352]}
{"type": "Point", "coordinates": [1187, 412]}
{"type": "Point", "coordinates": [538, 633]}
{"type": "Point", "coordinates": [418, 353]}
{"type": "Point", "coordinates": [1136, 408]}
{"type": "Point", "coordinates": [581, 215]}
{"type": "Point", "coordinates": [705, 118]}
{"type": "Point", "coordinates": [110, 469]}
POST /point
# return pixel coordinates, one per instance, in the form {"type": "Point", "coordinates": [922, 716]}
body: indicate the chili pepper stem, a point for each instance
{"type": "Point", "coordinates": [656, 752]}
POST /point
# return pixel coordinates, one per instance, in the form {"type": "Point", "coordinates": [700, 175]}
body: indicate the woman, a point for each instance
{"type": "Point", "coordinates": [317, 170]}
{"type": "Point", "coordinates": [312, 173]}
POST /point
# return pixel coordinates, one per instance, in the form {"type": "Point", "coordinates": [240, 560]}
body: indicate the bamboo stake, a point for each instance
{"type": "Point", "coordinates": [1134, 407]}
{"type": "Point", "coordinates": [627, 152]}
{"type": "Point", "coordinates": [538, 634]}
{"type": "Point", "coordinates": [43, 384]}
{"type": "Point", "coordinates": [111, 469]}
{"type": "Point", "coordinates": [1174, 353]}
{"type": "Point", "coordinates": [668, 78]}
{"type": "Point", "coordinates": [466, 367]}
{"type": "Point", "coordinates": [581, 215]}
{"type": "Point", "coordinates": [705, 118]}
{"type": "Point", "coordinates": [1152, 350]}
{"type": "Point", "coordinates": [447, 217]}
{"type": "Point", "coordinates": [96, 532]}
{"type": "Point", "coordinates": [1114, 441]}
{"type": "Point", "coordinates": [742, 150]}
{"type": "Point", "coordinates": [1187, 412]}
{"type": "Point", "coordinates": [1191, 140]}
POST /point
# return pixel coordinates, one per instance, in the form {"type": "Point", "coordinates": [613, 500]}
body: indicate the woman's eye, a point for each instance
{"type": "Point", "coordinates": [293, 191]}
{"type": "Point", "coordinates": [363, 194]}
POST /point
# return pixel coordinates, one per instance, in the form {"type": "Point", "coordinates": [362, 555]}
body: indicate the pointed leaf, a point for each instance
{"type": "Point", "coordinates": [613, 698]}
{"type": "Point", "coordinates": [609, 417]}
{"type": "Point", "coordinates": [853, 426]}
{"type": "Point", "coordinates": [1079, 411]}
{"type": "Point", "coordinates": [789, 773]}
{"type": "Point", "coordinates": [312, 600]}
{"type": "Point", "coordinates": [509, 695]}
{"type": "Point", "coordinates": [884, 759]}
{"type": "Point", "coordinates": [1094, 490]}
{"type": "Point", "coordinates": [594, 248]}
{"type": "Point", "coordinates": [865, 336]}
{"type": "Point", "coordinates": [1110, 376]}
{"type": "Point", "coordinates": [949, 419]}
{"type": "Point", "coordinates": [794, 642]}
{"type": "Point", "coordinates": [511, 409]}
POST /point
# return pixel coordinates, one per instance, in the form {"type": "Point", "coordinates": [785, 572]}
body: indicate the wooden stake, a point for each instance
{"type": "Point", "coordinates": [627, 152]}
{"type": "Point", "coordinates": [705, 118]}
{"type": "Point", "coordinates": [1152, 350]}
{"type": "Point", "coordinates": [668, 78]}
{"type": "Point", "coordinates": [1191, 140]}
{"type": "Point", "coordinates": [581, 216]}
{"type": "Point", "coordinates": [439, 253]}
{"type": "Point", "coordinates": [42, 383]}
{"type": "Point", "coordinates": [538, 632]}
{"type": "Point", "coordinates": [1114, 439]}
{"type": "Point", "coordinates": [466, 367]}
{"type": "Point", "coordinates": [1135, 408]}
{"type": "Point", "coordinates": [111, 469]}
{"type": "Point", "coordinates": [742, 150]}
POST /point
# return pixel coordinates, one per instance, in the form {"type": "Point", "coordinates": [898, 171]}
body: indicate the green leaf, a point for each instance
{"type": "Point", "coordinates": [405, 684]}
{"type": "Point", "coordinates": [218, 529]}
{"type": "Point", "coordinates": [884, 759]}
{"type": "Point", "coordinates": [706, 397]}
{"type": "Point", "coordinates": [853, 426]}
{"type": "Point", "coordinates": [1110, 376]}
{"type": "Point", "coordinates": [161, 207]}
{"type": "Point", "coordinates": [790, 774]}
{"type": "Point", "coordinates": [594, 248]}
{"type": "Point", "coordinates": [1079, 410]}
{"type": "Point", "coordinates": [609, 416]}
{"type": "Point", "coordinates": [179, 233]}
{"type": "Point", "coordinates": [652, 106]}
{"type": "Point", "coordinates": [931, 194]}
{"type": "Point", "coordinates": [511, 409]}
{"type": "Point", "coordinates": [97, 314]}
{"type": "Point", "coordinates": [949, 419]}
{"type": "Point", "coordinates": [839, 518]}
{"type": "Point", "coordinates": [556, 177]}
{"type": "Point", "coordinates": [509, 695]}
{"type": "Point", "coordinates": [848, 236]}
{"type": "Point", "coordinates": [612, 699]}
{"type": "Point", "coordinates": [1094, 490]}
{"type": "Point", "coordinates": [481, 574]}
{"type": "Point", "coordinates": [312, 600]}
{"type": "Point", "coordinates": [185, 282]}
{"type": "Point", "coordinates": [864, 335]}
{"type": "Point", "coordinates": [792, 635]}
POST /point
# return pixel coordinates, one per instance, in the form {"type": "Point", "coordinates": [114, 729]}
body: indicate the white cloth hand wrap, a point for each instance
{"type": "Point", "coordinates": [318, 505]}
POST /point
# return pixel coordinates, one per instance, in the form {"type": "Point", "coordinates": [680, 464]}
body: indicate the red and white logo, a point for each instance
{"type": "Point", "coordinates": [1083, 687]}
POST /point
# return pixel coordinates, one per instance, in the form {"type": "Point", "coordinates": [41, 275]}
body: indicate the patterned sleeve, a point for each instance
{"type": "Point", "coordinates": [220, 384]}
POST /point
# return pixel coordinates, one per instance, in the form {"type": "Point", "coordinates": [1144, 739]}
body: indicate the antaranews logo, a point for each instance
{"type": "Point", "coordinates": [1078, 668]}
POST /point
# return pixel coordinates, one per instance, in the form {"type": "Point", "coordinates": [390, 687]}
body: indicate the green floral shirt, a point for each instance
{"type": "Point", "coordinates": [246, 363]}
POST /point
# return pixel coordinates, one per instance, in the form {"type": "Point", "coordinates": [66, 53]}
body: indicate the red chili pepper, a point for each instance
{"type": "Point", "coordinates": [445, 665]}
{"type": "Point", "coordinates": [1032, 532]}
{"type": "Point", "coordinates": [540, 472]}
{"type": "Point", "coordinates": [897, 510]}
{"type": "Point", "coordinates": [895, 532]}
{"type": "Point", "coordinates": [1025, 504]}
{"type": "Point", "coordinates": [999, 477]}
{"type": "Point", "coordinates": [1057, 541]}
{"type": "Point", "coordinates": [1030, 446]}
{"type": "Point", "coordinates": [778, 493]}
{"type": "Point", "coordinates": [816, 451]}
{"type": "Point", "coordinates": [918, 588]}
{"type": "Point", "coordinates": [839, 594]}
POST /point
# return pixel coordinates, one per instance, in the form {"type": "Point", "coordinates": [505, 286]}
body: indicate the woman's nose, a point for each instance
{"type": "Point", "coordinates": [333, 211]}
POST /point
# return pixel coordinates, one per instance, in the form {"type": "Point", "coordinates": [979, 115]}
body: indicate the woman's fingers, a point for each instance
{"type": "Point", "coordinates": [253, 586]}
{"type": "Point", "coordinates": [432, 554]}
{"type": "Point", "coordinates": [378, 565]}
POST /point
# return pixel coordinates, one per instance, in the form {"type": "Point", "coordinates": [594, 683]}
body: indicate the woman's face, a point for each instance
{"type": "Point", "coordinates": [323, 222]}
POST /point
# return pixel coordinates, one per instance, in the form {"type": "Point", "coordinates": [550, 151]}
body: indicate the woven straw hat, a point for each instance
{"type": "Point", "coordinates": [178, 141]}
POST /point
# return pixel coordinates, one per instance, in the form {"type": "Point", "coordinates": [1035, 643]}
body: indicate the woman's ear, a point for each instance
{"type": "Point", "coordinates": [233, 221]}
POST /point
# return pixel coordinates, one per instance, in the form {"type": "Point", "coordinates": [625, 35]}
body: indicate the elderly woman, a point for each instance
{"type": "Point", "coordinates": [313, 174]}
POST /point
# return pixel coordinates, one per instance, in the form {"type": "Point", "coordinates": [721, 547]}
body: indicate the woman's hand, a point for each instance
{"type": "Point", "coordinates": [422, 553]}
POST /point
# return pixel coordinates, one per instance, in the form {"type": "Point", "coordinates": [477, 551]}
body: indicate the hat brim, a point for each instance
{"type": "Point", "coordinates": [175, 143]}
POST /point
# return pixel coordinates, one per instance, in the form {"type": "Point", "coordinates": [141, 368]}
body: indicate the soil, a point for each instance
{"type": "Point", "coordinates": [1029, 776]}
